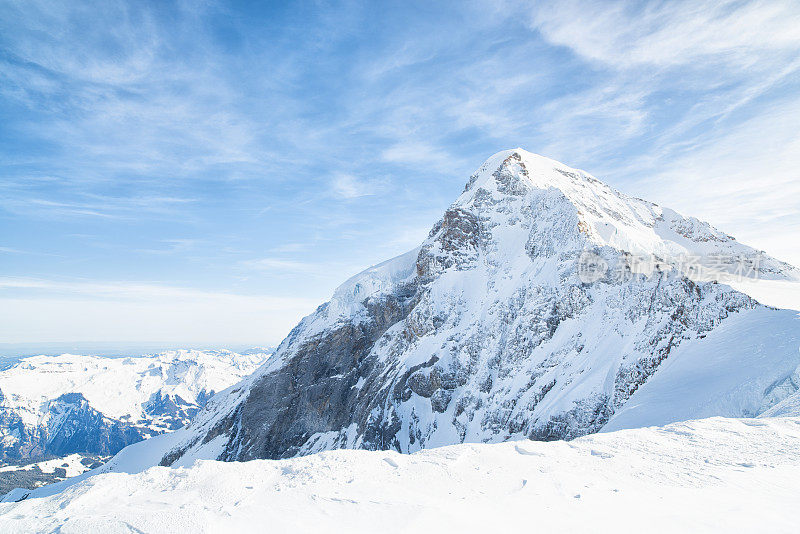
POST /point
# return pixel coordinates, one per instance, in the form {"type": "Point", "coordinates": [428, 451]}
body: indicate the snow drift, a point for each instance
{"type": "Point", "coordinates": [719, 475]}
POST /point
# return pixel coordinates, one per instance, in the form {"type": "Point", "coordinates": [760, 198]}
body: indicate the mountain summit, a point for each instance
{"type": "Point", "coordinates": [543, 304]}
{"type": "Point", "coordinates": [498, 326]}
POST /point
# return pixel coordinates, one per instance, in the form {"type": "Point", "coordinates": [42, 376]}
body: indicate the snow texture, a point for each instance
{"type": "Point", "coordinates": [712, 475]}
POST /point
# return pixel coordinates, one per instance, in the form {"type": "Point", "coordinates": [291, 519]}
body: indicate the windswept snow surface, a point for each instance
{"type": "Point", "coordinates": [712, 475]}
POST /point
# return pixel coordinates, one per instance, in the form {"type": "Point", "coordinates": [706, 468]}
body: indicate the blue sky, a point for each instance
{"type": "Point", "coordinates": [208, 172]}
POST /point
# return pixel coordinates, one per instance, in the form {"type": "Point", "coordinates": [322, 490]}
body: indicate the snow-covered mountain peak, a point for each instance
{"type": "Point", "coordinates": [558, 209]}
{"type": "Point", "coordinates": [527, 168]}
{"type": "Point", "coordinates": [523, 215]}
{"type": "Point", "coordinates": [489, 330]}
{"type": "Point", "coordinates": [523, 184]}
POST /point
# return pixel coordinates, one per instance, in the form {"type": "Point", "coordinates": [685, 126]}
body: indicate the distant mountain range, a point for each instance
{"type": "Point", "coordinates": [53, 406]}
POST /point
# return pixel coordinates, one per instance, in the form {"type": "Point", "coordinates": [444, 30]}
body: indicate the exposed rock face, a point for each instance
{"type": "Point", "coordinates": [489, 330]}
{"type": "Point", "coordinates": [68, 425]}
{"type": "Point", "coordinates": [74, 426]}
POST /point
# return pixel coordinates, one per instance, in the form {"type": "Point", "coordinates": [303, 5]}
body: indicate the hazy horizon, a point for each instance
{"type": "Point", "coordinates": [13, 351]}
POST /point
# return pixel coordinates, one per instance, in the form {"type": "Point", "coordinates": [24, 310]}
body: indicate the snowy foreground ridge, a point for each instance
{"type": "Point", "coordinates": [719, 475]}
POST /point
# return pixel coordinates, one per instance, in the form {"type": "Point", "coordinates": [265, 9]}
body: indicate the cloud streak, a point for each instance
{"type": "Point", "coordinates": [627, 35]}
{"type": "Point", "coordinates": [212, 144]}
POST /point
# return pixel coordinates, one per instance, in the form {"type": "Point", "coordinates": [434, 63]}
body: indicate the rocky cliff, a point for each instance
{"type": "Point", "coordinates": [537, 307]}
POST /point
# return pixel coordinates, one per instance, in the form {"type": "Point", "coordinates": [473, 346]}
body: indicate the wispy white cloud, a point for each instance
{"type": "Point", "coordinates": [745, 180]}
{"type": "Point", "coordinates": [15, 251]}
{"type": "Point", "coordinates": [290, 247]}
{"type": "Point", "coordinates": [347, 186]}
{"type": "Point", "coordinates": [128, 89]}
{"type": "Point", "coordinates": [172, 246]}
{"type": "Point", "coordinates": [679, 33]}
{"type": "Point", "coordinates": [227, 130]}
{"type": "Point", "coordinates": [89, 205]}
{"type": "Point", "coordinates": [418, 153]}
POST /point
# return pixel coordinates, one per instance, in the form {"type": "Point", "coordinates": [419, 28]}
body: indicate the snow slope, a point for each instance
{"type": "Point", "coordinates": [712, 475]}
{"type": "Point", "coordinates": [745, 366]}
